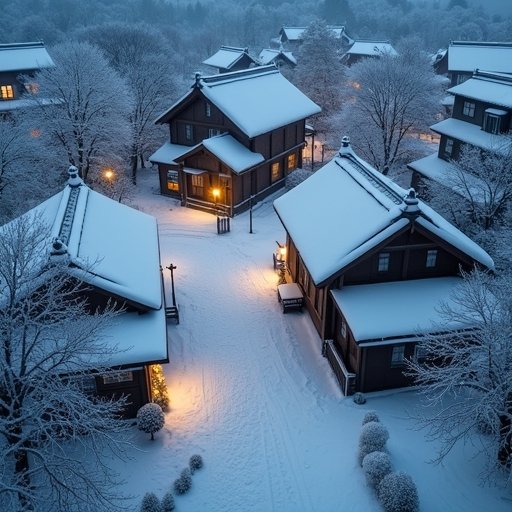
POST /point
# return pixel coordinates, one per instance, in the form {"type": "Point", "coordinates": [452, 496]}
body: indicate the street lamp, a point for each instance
{"type": "Point", "coordinates": [216, 195]}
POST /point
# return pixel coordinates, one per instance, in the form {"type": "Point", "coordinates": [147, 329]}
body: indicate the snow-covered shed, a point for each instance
{"type": "Point", "coordinates": [19, 59]}
{"type": "Point", "coordinates": [364, 48]}
{"type": "Point", "coordinates": [114, 251]}
{"type": "Point", "coordinates": [279, 58]}
{"type": "Point", "coordinates": [238, 134]}
{"type": "Point", "coordinates": [230, 58]}
{"type": "Point", "coordinates": [373, 262]}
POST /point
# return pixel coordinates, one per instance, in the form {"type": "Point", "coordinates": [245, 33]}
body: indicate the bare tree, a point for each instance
{"type": "Point", "coordinates": [392, 97]}
{"type": "Point", "coordinates": [467, 374]}
{"type": "Point", "coordinates": [55, 439]}
{"type": "Point", "coordinates": [88, 118]}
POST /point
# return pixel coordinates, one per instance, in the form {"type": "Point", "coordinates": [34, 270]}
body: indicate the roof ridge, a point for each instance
{"type": "Point", "coordinates": [489, 44]}
{"type": "Point", "coordinates": [69, 215]}
{"type": "Point", "coordinates": [234, 76]}
{"type": "Point", "coordinates": [19, 46]}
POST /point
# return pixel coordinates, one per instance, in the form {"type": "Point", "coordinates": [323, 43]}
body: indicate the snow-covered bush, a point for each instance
{"type": "Point", "coordinates": [376, 465]}
{"type": "Point", "coordinates": [373, 438]}
{"type": "Point", "coordinates": [195, 462]}
{"type": "Point", "coordinates": [397, 493]}
{"type": "Point", "coordinates": [183, 484]}
{"type": "Point", "coordinates": [150, 418]}
{"type": "Point", "coordinates": [370, 416]}
{"type": "Point", "coordinates": [297, 176]}
{"type": "Point", "coordinates": [150, 503]}
{"type": "Point", "coordinates": [359, 398]}
{"type": "Point", "coordinates": [168, 502]}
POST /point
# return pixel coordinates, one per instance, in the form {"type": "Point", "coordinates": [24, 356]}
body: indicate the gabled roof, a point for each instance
{"type": "Point", "coordinates": [227, 57]}
{"type": "Point", "coordinates": [486, 86]}
{"type": "Point", "coordinates": [256, 100]}
{"type": "Point", "coordinates": [24, 57]}
{"type": "Point", "coordinates": [296, 33]}
{"type": "Point", "coordinates": [471, 55]}
{"type": "Point", "coordinates": [269, 56]}
{"type": "Point", "coordinates": [347, 208]}
{"type": "Point", "coordinates": [168, 153]}
{"type": "Point", "coordinates": [371, 48]}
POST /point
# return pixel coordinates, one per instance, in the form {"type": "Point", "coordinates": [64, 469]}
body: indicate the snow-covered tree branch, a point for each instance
{"type": "Point", "coordinates": [54, 437]}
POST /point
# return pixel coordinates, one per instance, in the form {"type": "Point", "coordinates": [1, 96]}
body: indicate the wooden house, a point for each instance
{"type": "Point", "coordinates": [374, 263]}
{"type": "Point", "coordinates": [113, 250]}
{"type": "Point", "coordinates": [15, 60]}
{"type": "Point", "coordinates": [292, 37]}
{"type": "Point", "coordinates": [464, 57]}
{"type": "Point", "coordinates": [482, 117]}
{"type": "Point", "coordinates": [280, 58]}
{"type": "Point", "coordinates": [234, 137]}
{"type": "Point", "coordinates": [229, 58]}
{"type": "Point", "coordinates": [365, 48]}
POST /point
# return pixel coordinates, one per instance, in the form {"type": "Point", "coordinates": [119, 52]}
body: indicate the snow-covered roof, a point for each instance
{"type": "Point", "coordinates": [227, 57]}
{"type": "Point", "coordinates": [167, 153]}
{"type": "Point", "coordinates": [296, 33]}
{"type": "Point", "coordinates": [371, 48]}
{"type": "Point", "coordinates": [256, 100]}
{"type": "Point", "coordinates": [492, 88]}
{"type": "Point", "coordinates": [397, 309]}
{"type": "Point", "coordinates": [472, 134]}
{"type": "Point", "coordinates": [471, 55]}
{"type": "Point", "coordinates": [346, 208]}
{"type": "Point", "coordinates": [24, 57]}
{"type": "Point", "coordinates": [235, 155]}
{"type": "Point", "coordinates": [269, 55]}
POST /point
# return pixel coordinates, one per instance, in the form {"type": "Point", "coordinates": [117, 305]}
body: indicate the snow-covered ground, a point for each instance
{"type": "Point", "coordinates": [252, 394]}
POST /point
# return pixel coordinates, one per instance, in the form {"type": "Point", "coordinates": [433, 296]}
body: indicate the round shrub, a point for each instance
{"type": "Point", "coordinates": [373, 438]}
{"type": "Point", "coordinates": [195, 462]}
{"type": "Point", "coordinates": [150, 503]}
{"type": "Point", "coordinates": [397, 493]}
{"type": "Point", "coordinates": [370, 416]}
{"type": "Point", "coordinates": [168, 502]}
{"type": "Point", "coordinates": [359, 398]}
{"type": "Point", "coordinates": [150, 419]}
{"type": "Point", "coordinates": [376, 465]}
{"type": "Point", "coordinates": [183, 484]}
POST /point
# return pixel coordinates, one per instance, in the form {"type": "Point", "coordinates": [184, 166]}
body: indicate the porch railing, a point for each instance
{"type": "Point", "coordinates": [346, 379]}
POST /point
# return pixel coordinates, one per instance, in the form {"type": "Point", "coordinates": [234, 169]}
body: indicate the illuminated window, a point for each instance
{"type": "Point", "coordinates": [431, 258]}
{"type": "Point", "coordinates": [292, 162]}
{"type": "Point", "coordinates": [276, 171]}
{"type": "Point", "coordinates": [172, 181]}
{"type": "Point", "coordinates": [6, 92]}
{"type": "Point", "coordinates": [189, 132]}
{"type": "Point", "coordinates": [469, 109]}
{"type": "Point", "coordinates": [208, 109]}
{"type": "Point", "coordinates": [398, 355]}
{"type": "Point", "coordinates": [383, 262]}
{"type": "Point", "coordinates": [116, 377]}
{"type": "Point", "coordinates": [35, 133]}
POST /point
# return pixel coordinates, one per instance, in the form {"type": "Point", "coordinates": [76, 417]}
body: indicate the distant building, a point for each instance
{"type": "Point", "coordinates": [464, 57]}
{"type": "Point", "coordinates": [374, 263]}
{"type": "Point", "coordinates": [234, 137]}
{"type": "Point", "coordinates": [292, 37]}
{"type": "Point", "coordinates": [20, 59]}
{"type": "Point", "coordinates": [482, 118]}
{"type": "Point", "coordinates": [229, 58]}
{"type": "Point", "coordinates": [113, 250]}
{"type": "Point", "coordinates": [365, 48]}
{"type": "Point", "coordinates": [280, 58]}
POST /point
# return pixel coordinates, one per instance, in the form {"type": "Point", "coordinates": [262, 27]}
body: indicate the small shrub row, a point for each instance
{"type": "Point", "coordinates": [396, 491]}
{"type": "Point", "coordinates": [183, 484]}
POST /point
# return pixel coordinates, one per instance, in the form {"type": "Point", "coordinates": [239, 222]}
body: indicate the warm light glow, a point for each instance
{"type": "Point", "coordinates": [216, 193]}
{"type": "Point", "coordinates": [282, 253]}
{"type": "Point", "coordinates": [35, 133]}
{"type": "Point", "coordinates": [109, 173]}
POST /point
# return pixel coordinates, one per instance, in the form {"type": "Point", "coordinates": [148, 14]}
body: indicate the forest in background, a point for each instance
{"type": "Point", "coordinates": [195, 29]}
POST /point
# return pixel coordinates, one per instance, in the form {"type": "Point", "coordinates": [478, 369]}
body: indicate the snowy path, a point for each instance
{"type": "Point", "coordinates": [249, 389]}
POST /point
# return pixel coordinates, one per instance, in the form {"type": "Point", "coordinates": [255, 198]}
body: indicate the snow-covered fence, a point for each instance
{"type": "Point", "coordinates": [346, 379]}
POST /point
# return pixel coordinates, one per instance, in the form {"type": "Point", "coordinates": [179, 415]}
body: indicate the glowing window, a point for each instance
{"type": "Point", "coordinates": [276, 171]}
{"type": "Point", "coordinates": [6, 92]}
{"type": "Point", "coordinates": [292, 161]}
{"type": "Point", "coordinates": [172, 181]}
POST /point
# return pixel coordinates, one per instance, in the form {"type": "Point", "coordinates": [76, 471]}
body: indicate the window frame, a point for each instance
{"type": "Point", "coordinates": [291, 162]}
{"type": "Point", "coordinates": [468, 109]}
{"type": "Point", "coordinates": [189, 132]}
{"type": "Point", "coordinates": [207, 109]}
{"type": "Point", "coordinates": [431, 258]}
{"type": "Point", "coordinates": [448, 147]}
{"type": "Point", "coordinates": [212, 132]}
{"type": "Point", "coordinates": [6, 92]}
{"type": "Point", "coordinates": [496, 123]}
{"type": "Point", "coordinates": [275, 176]}
{"type": "Point", "coordinates": [398, 356]}
{"type": "Point", "coordinates": [383, 262]}
{"type": "Point", "coordinates": [420, 353]}
{"type": "Point", "coordinates": [174, 180]}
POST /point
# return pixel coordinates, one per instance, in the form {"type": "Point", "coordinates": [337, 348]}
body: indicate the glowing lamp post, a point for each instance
{"type": "Point", "coordinates": [216, 195]}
